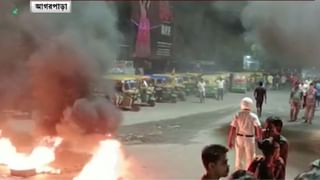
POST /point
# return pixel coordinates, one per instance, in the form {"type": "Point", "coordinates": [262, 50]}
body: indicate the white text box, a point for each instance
{"type": "Point", "coordinates": [50, 6]}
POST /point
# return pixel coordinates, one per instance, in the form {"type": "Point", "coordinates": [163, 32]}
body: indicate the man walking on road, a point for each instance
{"type": "Point", "coordinates": [202, 90]}
{"type": "Point", "coordinates": [220, 88]}
{"type": "Point", "coordinates": [244, 130]}
{"type": "Point", "coordinates": [296, 96]}
{"type": "Point", "coordinates": [310, 104]}
{"type": "Point", "coordinates": [260, 95]}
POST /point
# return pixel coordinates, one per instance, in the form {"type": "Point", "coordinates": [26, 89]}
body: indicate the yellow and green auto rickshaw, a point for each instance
{"type": "Point", "coordinates": [126, 92]}
{"type": "Point", "coordinates": [211, 85]}
{"type": "Point", "coordinates": [190, 82]}
{"type": "Point", "coordinates": [176, 81]}
{"type": "Point", "coordinates": [164, 90]}
{"type": "Point", "coordinates": [147, 91]}
{"type": "Point", "coordinates": [240, 82]}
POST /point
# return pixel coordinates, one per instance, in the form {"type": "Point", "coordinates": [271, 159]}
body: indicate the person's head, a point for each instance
{"type": "Point", "coordinates": [311, 85]}
{"type": "Point", "coordinates": [242, 175]}
{"type": "Point", "coordinates": [246, 103]}
{"type": "Point", "coordinates": [270, 149]}
{"type": "Point", "coordinates": [274, 125]}
{"type": "Point", "coordinates": [214, 159]}
{"type": "Point", "coordinates": [260, 83]}
{"type": "Point", "coordinates": [268, 122]}
{"type": "Point", "coordinates": [277, 124]}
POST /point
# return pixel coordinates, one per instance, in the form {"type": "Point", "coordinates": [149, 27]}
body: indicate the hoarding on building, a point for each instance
{"type": "Point", "coordinates": [154, 31]}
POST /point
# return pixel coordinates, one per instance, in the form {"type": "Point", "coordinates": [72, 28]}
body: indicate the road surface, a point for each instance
{"type": "Point", "coordinates": [165, 142]}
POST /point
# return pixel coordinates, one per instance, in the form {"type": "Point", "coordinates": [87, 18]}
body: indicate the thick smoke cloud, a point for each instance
{"type": "Point", "coordinates": [287, 32]}
{"type": "Point", "coordinates": [47, 61]}
{"type": "Point", "coordinates": [210, 31]}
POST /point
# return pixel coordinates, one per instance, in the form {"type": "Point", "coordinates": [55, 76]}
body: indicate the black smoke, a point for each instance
{"type": "Point", "coordinates": [287, 32]}
{"type": "Point", "coordinates": [48, 61]}
{"type": "Point", "coordinates": [209, 31]}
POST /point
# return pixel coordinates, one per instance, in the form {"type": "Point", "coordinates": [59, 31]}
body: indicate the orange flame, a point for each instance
{"type": "Point", "coordinates": [39, 158]}
{"type": "Point", "coordinates": [105, 164]}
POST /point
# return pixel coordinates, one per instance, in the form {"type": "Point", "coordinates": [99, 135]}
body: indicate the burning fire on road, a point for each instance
{"type": "Point", "coordinates": [107, 162]}
{"type": "Point", "coordinates": [37, 162]}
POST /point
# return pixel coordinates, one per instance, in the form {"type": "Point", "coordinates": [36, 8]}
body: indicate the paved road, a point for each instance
{"type": "Point", "coordinates": [165, 142]}
{"type": "Point", "coordinates": [174, 157]}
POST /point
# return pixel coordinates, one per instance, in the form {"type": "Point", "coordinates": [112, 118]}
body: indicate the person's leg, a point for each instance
{"type": "Point", "coordinates": [306, 113]}
{"type": "Point", "coordinates": [297, 109]}
{"type": "Point", "coordinates": [222, 94]}
{"type": "Point", "coordinates": [249, 151]}
{"type": "Point", "coordinates": [311, 113]}
{"type": "Point", "coordinates": [291, 111]}
{"type": "Point", "coordinates": [239, 152]}
{"type": "Point", "coordinates": [258, 105]}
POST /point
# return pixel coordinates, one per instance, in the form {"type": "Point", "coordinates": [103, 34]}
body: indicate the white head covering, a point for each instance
{"type": "Point", "coordinates": [246, 103]}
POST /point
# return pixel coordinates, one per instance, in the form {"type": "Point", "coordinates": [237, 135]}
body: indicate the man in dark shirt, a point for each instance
{"type": "Point", "coordinates": [260, 95]}
{"type": "Point", "coordinates": [214, 159]}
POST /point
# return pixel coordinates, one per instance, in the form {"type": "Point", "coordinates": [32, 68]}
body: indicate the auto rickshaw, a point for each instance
{"type": "Point", "coordinates": [164, 91]}
{"type": "Point", "coordinates": [176, 81]}
{"type": "Point", "coordinates": [190, 82]}
{"type": "Point", "coordinates": [240, 82]}
{"type": "Point", "coordinates": [211, 85]}
{"type": "Point", "coordinates": [126, 92]}
{"type": "Point", "coordinates": [147, 91]}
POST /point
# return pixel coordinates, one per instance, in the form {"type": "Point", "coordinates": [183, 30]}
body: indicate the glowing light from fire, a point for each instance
{"type": "Point", "coordinates": [7, 150]}
{"type": "Point", "coordinates": [40, 157]}
{"type": "Point", "coordinates": [105, 164]}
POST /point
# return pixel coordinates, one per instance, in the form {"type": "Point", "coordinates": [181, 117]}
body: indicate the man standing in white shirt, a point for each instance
{"type": "Point", "coordinates": [244, 130]}
{"type": "Point", "coordinates": [202, 90]}
{"type": "Point", "coordinates": [220, 88]}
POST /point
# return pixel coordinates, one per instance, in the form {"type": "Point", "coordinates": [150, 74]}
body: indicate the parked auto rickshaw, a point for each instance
{"type": "Point", "coordinates": [147, 91]}
{"type": "Point", "coordinates": [240, 83]}
{"type": "Point", "coordinates": [177, 82]}
{"type": "Point", "coordinates": [211, 85]}
{"type": "Point", "coordinates": [126, 92]}
{"type": "Point", "coordinates": [164, 90]}
{"type": "Point", "coordinates": [180, 87]}
{"type": "Point", "coordinates": [190, 82]}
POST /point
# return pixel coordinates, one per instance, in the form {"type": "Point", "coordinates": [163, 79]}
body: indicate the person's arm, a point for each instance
{"type": "Point", "coordinates": [285, 148]}
{"type": "Point", "coordinates": [290, 99]}
{"type": "Point", "coordinates": [231, 136]}
{"type": "Point", "coordinates": [252, 167]}
{"type": "Point", "coordinates": [232, 133]}
{"type": "Point", "coordinates": [255, 93]}
{"type": "Point", "coordinates": [258, 132]}
{"type": "Point", "coordinates": [257, 129]}
{"type": "Point", "coordinates": [265, 96]}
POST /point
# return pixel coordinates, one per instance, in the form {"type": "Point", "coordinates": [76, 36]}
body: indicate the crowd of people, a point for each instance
{"type": "Point", "coordinates": [245, 133]}
{"type": "Point", "coordinates": [306, 96]}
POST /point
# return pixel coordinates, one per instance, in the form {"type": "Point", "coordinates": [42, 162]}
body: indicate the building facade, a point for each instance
{"type": "Point", "coordinates": [152, 35]}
